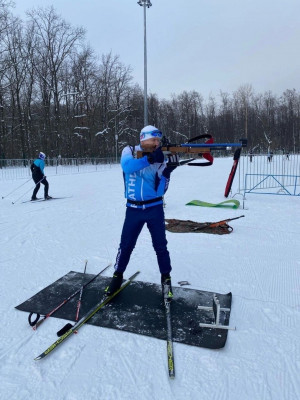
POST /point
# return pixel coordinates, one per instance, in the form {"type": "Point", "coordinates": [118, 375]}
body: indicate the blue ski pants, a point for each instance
{"type": "Point", "coordinates": [135, 219]}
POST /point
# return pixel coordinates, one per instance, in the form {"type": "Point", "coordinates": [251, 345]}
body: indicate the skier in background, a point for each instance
{"type": "Point", "coordinates": [146, 181]}
{"type": "Point", "coordinates": [270, 156]}
{"type": "Point", "coordinates": [37, 169]}
{"type": "Point", "coordinates": [251, 155]}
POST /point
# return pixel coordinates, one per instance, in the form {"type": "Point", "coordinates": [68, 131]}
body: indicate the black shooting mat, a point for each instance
{"type": "Point", "coordinates": [138, 309]}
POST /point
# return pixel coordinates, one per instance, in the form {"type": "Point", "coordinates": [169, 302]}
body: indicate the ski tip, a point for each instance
{"type": "Point", "coordinates": [38, 358]}
{"type": "Point", "coordinates": [134, 275]}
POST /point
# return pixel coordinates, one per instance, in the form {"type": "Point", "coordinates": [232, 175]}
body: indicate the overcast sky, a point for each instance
{"type": "Point", "coordinates": [202, 45]}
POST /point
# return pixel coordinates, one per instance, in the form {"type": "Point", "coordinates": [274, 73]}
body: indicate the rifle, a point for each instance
{"type": "Point", "coordinates": [219, 223]}
{"type": "Point", "coordinates": [181, 226]}
{"type": "Point", "coordinates": [200, 149]}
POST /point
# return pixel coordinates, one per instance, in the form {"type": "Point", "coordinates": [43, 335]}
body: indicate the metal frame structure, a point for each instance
{"type": "Point", "coordinates": [216, 309]}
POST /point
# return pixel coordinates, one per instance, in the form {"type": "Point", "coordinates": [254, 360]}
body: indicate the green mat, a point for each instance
{"type": "Point", "coordinates": [225, 204]}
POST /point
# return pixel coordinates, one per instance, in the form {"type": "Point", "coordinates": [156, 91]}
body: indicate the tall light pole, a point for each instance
{"type": "Point", "coordinates": [145, 4]}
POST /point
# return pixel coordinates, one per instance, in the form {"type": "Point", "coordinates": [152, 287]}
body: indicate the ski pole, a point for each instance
{"type": "Point", "coordinates": [37, 322]}
{"type": "Point", "coordinates": [80, 296]}
{"type": "Point", "coordinates": [68, 325]}
{"type": "Point", "coordinates": [3, 197]}
{"type": "Point", "coordinates": [14, 202]}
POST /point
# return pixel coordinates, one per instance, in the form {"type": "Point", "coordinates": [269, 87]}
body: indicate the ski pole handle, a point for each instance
{"type": "Point", "coordinates": [68, 299]}
{"type": "Point", "coordinates": [33, 323]}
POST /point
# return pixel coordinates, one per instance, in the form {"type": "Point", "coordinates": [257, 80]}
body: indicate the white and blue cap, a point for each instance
{"type": "Point", "coordinates": [149, 132]}
{"type": "Point", "coordinates": [42, 155]}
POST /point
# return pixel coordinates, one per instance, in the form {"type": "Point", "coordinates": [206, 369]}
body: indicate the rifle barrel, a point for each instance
{"type": "Point", "coordinates": [215, 224]}
{"type": "Point", "coordinates": [212, 145]}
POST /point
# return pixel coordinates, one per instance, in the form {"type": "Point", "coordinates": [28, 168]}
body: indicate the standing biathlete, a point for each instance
{"type": "Point", "coordinates": [146, 181]}
{"type": "Point", "coordinates": [37, 169]}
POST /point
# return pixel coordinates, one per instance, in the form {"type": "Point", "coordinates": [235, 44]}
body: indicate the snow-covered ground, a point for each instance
{"type": "Point", "coordinates": [258, 262]}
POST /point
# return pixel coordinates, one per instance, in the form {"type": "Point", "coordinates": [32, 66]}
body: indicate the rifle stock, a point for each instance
{"type": "Point", "coordinates": [175, 150]}
{"type": "Point", "coordinates": [192, 148]}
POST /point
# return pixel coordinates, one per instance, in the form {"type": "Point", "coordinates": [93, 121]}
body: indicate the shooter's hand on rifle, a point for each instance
{"type": "Point", "coordinates": [156, 156]}
{"type": "Point", "coordinates": [173, 162]}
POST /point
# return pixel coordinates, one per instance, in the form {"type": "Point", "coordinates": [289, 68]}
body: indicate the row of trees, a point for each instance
{"type": "Point", "coordinates": [57, 96]}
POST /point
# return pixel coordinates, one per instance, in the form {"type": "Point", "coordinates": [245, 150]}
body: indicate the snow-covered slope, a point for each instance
{"type": "Point", "coordinates": [258, 263]}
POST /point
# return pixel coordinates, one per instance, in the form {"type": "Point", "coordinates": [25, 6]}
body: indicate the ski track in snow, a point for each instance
{"type": "Point", "coordinates": [259, 263]}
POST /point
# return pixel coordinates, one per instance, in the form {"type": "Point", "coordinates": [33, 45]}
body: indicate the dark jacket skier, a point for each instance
{"type": "Point", "coordinates": [37, 169]}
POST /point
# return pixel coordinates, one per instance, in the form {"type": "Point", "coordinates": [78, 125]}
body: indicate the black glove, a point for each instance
{"type": "Point", "coordinates": [156, 156]}
{"type": "Point", "coordinates": [173, 162]}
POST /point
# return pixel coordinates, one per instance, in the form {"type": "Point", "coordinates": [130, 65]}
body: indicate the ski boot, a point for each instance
{"type": "Point", "coordinates": [166, 285]}
{"type": "Point", "coordinates": [115, 283]}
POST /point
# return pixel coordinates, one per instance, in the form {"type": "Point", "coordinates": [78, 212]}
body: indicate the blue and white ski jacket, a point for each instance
{"type": "Point", "coordinates": [143, 181]}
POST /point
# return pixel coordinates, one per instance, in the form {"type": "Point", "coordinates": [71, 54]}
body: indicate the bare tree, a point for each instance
{"type": "Point", "coordinates": [55, 41]}
{"type": "Point", "coordinates": [16, 74]}
{"type": "Point", "coordinates": [5, 21]}
{"type": "Point", "coordinates": [291, 110]}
